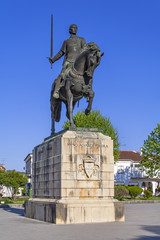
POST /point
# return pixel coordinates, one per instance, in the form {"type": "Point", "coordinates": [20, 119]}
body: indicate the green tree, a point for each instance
{"type": "Point", "coordinates": [151, 153]}
{"type": "Point", "coordinates": [14, 180]}
{"type": "Point", "coordinates": [96, 120]}
{"type": "Point", "coordinates": [1, 176]}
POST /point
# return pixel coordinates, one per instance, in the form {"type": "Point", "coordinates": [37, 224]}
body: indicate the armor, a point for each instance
{"type": "Point", "coordinates": [71, 49]}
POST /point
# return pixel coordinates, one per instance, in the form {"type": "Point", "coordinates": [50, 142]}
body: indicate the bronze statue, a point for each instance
{"type": "Point", "coordinates": [75, 80]}
{"type": "Point", "coordinates": [71, 49]}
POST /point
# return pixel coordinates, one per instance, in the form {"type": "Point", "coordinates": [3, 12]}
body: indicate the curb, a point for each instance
{"type": "Point", "coordinates": [11, 205]}
{"type": "Point", "coordinates": [124, 202]}
{"type": "Point", "coordinates": [141, 201]}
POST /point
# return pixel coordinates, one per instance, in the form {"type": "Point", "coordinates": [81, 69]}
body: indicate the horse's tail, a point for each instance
{"type": "Point", "coordinates": [57, 110]}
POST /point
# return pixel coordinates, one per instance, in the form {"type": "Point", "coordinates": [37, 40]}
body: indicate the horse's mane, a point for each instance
{"type": "Point", "coordinates": [85, 50]}
{"type": "Point", "coordinates": [87, 47]}
{"type": "Point", "coordinates": [90, 46]}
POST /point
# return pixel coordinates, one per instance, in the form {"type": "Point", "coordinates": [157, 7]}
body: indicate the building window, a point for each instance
{"type": "Point", "coordinates": [120, 170]}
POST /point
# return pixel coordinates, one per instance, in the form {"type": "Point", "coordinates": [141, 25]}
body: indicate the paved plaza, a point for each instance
{"type": "Point", "coordinates": [142, 223]}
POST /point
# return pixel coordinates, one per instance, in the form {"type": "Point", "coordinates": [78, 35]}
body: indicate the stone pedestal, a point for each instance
{"type": "Point", "coordinates": [73, 179]}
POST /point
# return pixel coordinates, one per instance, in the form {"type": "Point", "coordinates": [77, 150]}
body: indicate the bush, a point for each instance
{"type": "Point", "coordinates": [134, 191]}
{"type": "Point", "coordinates": [125, 186]}
{"type": "Point", "coordinates": [147, 194]}
{"type": "Point", "coordinates": [158, 189]}
{"type": "Point", "coordinates": [120, 192]}
{"type": "Point", "coordinates": [7, 200]}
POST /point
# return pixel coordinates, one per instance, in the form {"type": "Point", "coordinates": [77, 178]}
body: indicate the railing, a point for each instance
{"type": "Point", "coordinates": [138, 174]}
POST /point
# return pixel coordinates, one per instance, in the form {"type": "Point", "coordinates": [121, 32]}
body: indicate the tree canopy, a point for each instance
{"type": "Point", "coordinates": [96, 120]}
{"type": "Point", "coordinates": [151, 153]}
{"type": "Point", "coordinates": [13, 179]}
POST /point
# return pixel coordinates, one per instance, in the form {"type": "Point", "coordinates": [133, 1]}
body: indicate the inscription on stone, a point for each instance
{"type": "Point", "coordinates": [87, 144]}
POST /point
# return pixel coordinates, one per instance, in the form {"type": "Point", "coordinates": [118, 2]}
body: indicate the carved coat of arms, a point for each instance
{"type": "Point", "coordinates": [88, 168]}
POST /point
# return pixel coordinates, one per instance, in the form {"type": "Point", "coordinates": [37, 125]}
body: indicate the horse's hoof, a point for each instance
{"type": "Point", "coordinates": [72, 127]}
{"type": "Point", "coordinates": [87, 111]}
{"type": "Point", "coordinates": [52, 132]}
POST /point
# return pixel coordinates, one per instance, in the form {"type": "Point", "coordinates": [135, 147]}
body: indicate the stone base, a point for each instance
{"type": "Point", "coordinates": [74, 211]}
{"type": "Point", "coordinates": [73, 179]}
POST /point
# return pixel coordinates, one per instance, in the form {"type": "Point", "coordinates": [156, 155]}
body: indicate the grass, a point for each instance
{"type": "Point", "coordinates": [17, 201]}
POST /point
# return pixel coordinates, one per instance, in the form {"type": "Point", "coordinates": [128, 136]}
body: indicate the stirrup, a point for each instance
{"type": "Point", "coordinates": [56, 95]}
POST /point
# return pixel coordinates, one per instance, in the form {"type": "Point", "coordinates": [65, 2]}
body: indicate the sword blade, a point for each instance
{"type": "Point", "coordinates": [51, 35]}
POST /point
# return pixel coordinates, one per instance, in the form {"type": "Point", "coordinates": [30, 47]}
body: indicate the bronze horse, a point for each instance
{"type": "Point", "coordinates": [76, 84]}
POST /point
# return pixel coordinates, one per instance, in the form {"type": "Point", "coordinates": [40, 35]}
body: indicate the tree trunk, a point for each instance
{"type": "Point", "coordinates": [14, 196]}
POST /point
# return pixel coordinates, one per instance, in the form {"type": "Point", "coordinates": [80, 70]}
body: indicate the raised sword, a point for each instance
{"type": "Point", "coordinates": [51, 37]}
{"type": "Point", "coordinates": [51, 54]}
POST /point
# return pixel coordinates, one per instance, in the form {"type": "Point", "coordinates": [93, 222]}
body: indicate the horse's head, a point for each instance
{"type": "Point", "coordinates": [93, 58]}
{"type": "Point", "coordinates": [88, 60]}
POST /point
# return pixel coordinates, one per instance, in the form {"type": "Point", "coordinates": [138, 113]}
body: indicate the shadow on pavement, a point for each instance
{"type": "Point", "coordinates": [18, 211]}
{"type": "Point", "coordinates": [153, 229]}
{"type": "Point", "coordinates": [147, 238]}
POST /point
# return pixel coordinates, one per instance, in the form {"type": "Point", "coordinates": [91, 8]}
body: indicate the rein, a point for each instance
{"type": "Point", "coordinates": [75, 75]}
{"type": "Point", "coordinates": [76, 72]}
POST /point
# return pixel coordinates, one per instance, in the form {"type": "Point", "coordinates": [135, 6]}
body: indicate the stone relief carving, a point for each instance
{"type": "Point", "coordinates": [88, 168]}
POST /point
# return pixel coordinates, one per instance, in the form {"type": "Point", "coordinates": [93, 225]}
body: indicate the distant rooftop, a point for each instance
{"type": "Point", "coordinates": [130, 155]}
{"type": "Point", "coordinates": [2, 167]}
{"type": "Point", "coordinates": [28, 157]}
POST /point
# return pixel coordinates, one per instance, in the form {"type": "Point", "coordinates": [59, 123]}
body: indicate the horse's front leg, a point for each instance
{"type": "Point", "coordinates": [90, 100]}
{"type": "Point", "coordinates": [53, 124]}
{"type": "Point", "coordinates": [69, 96]}
{"type": "Point", "coordinates": [53, 127]}
{"type": "Point", "coordinates": [52, 114]}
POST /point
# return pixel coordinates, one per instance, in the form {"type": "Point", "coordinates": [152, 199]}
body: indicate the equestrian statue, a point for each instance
{"type": "Point", "coordinates": [75, 80]}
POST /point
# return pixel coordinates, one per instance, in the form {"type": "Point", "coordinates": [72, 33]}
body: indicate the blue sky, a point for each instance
{"type": "Point", "coordinates": [127, 31]}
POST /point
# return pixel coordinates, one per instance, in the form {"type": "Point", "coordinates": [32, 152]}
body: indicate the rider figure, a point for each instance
{"type": "Point", "coordinates": [71, 49]}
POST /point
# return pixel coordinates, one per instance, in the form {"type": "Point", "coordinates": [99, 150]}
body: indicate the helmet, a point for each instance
{"type": "Point", "coordinates": [73, 29]}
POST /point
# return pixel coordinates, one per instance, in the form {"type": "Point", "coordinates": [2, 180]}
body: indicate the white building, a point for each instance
{"type": "Point", "coordinates": [127, 171]}
{"type": "Point", "coordinates": [28, 167]}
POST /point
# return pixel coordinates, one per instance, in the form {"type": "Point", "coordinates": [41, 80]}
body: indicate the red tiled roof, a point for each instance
{"type": "Point", "coordinates": [126, 155]}
{"type": "Point", "coordinates": [2, 167]}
